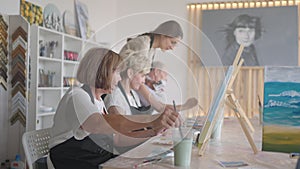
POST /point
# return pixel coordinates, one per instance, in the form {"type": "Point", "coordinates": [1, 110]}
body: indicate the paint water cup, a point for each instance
{"type": "Point", "coordinates": [182, 144]}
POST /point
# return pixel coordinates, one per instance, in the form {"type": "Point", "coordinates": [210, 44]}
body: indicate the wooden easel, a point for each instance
{"type": "Point", "coordinates": [233, 103]}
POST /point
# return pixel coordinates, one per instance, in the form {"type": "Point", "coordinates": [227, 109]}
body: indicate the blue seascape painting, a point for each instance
{"type": "Point", "coordinates": [281, 114]}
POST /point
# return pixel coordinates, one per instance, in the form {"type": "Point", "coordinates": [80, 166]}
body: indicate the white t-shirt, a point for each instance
{"type": "Point", "coordinates": [73, 109]}
{"type": "Point", "coordinates": [116, 98]}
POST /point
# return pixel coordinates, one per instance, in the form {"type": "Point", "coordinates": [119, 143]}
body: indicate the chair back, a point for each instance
{"type": "Point", "coordinates": [35, 145]}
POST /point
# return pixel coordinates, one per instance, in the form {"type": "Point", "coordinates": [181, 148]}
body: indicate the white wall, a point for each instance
{"type": "Point", "coordinates": [9, 7]}
{"type": "Point", "coordinates": [101, 12]}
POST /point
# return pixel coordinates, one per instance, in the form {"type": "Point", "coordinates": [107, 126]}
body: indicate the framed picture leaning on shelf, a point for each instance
{"type": "Point", "coordinates": [82, 18]}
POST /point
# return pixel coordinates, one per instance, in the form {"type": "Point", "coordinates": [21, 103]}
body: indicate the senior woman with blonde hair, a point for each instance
{"type": "Point", "coordinates": [124, 100]}
{"type": "Point", "coordinates": [81, 112]}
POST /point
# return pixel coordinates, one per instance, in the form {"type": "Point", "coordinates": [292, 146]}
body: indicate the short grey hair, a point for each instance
{"type": "Point", "coordinates": [135, 61]}
{"type": "Point", "coordinates": [97, 66]}
{"type": "Point", "coordinates": [169, 28]}
{"type": "Point", "coordinates": [158, 65]}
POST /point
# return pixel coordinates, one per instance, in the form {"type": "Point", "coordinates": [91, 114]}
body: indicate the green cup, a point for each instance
{"type": "Point", "coordinates": [182, 142]}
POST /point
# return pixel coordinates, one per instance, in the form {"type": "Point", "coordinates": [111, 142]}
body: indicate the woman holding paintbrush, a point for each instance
{"type": "Point", "coordinates": [82, 113]}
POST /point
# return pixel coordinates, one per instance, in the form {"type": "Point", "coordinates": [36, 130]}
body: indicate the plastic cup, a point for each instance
{"type": "Point", "coordinates": [182, 143]}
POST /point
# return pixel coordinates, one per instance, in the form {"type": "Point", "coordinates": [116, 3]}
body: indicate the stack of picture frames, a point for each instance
{"type": "Point", "coordinates": [3, 52]}
{"type": "Point", "coordinates": [18, 76]}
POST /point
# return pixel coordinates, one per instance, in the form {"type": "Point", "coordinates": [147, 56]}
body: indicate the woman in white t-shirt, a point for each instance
{"type": "Point", "coordinates": [81, 113]}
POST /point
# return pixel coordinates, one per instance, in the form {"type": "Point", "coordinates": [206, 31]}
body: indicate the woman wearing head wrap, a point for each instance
{"type": "Point", "coordinates": [164, 37]}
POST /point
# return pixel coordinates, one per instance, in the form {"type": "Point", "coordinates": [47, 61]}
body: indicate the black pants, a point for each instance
{"type": "Point", "coordinates": [79, 154]}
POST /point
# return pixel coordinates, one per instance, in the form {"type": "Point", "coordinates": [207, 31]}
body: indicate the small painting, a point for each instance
{"type": "Point", "coordinates": [83, 19]}
{"type": "Point", "coordinates": [52, 18]}
{"type": "Point", "coordinates": [31, 12]}
{"type": "Point", "coordinates": [70, 24]}
{"type": "Point", "coordinates": [281, 113]}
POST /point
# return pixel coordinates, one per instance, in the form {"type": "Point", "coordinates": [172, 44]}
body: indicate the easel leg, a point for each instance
{"type": "Point", "coordinates": [239, 113]}
{"type": "Point", "coordinates": [240, 110]}
{"type": "Point", "coordinates": [249, 137]}
{"type": "Point", "coordinates": [216, 132]}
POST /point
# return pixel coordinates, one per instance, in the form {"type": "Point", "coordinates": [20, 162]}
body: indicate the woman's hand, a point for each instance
{"type": "Point", "coordinates": [166, 120]}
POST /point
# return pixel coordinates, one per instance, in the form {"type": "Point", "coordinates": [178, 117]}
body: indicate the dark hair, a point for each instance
{"type": "Point", "coordinates": [243, 21]}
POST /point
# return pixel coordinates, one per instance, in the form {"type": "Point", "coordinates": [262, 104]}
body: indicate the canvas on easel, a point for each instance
{"type": "Point", "coordinates": [214, 112]}
{"type": "Point", "coordinates": [225, 95]}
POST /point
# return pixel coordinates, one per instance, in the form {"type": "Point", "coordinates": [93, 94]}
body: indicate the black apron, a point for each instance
{"type": "Point", "coordinates": [143, 110]}
{"type": "Point", "coordinates": [88, 153]}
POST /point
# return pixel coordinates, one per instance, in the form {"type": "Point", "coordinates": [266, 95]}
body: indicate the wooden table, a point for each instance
{"type": "Point", "coordinates": [232, 146]}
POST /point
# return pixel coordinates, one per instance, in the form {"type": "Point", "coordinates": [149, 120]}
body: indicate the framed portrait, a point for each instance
{"type": "Point", "coordinates": [269, 34]}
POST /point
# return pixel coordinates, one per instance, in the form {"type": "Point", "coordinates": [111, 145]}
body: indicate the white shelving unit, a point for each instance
{"type": "Point", "coordinates": [49, 94]}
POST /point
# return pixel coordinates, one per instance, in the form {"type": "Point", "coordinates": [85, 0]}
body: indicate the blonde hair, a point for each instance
{"type": "Point", "coordinates": [97, 66]}
{"type": "Point", "coordinates": [136, 61]}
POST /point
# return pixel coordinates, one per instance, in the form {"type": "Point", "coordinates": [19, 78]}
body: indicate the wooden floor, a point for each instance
{"type": "Point", "coordinates": [232, 146]}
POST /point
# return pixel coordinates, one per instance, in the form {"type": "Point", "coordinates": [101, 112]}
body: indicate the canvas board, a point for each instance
{"type": "Point", "coordinates": [214, 111]}
{"type": "Point", "coordinates": [281, 112]}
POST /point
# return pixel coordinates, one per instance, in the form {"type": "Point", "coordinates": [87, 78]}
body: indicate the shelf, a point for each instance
{"type": "Point", "coordinates": [71, 62]}
{"type": "Point", "coordinates": [45, 114]}
{"type": "Point", "coordinates": [72, 37]}
{"type": "Point", "coordinates": [42, 58]}
{"type": "Point", "coordinates": [46, 71]}
{"type": "Point", "coordinates": [49, 88]}
{"type": "Point", "coordinates": [49, 31]}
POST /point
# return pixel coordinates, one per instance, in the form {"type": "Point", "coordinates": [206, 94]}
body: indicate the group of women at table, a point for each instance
{"type": "Point", "coordinates": [88, 131]}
